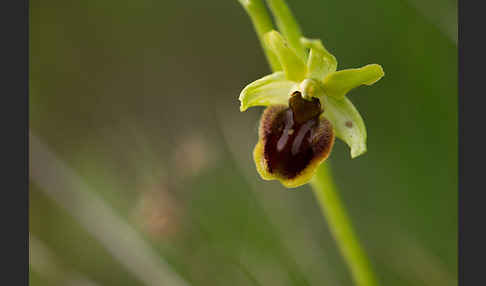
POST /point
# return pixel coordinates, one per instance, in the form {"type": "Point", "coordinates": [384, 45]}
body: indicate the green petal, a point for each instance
{"type": "Point", "coordinates": [339, 83]}
{"type": "Point", "coordinates": [320, 62]}
{"type": "Point", "coordinates": [269, 90]}
{"type": "Point", "coordinates": [293, 66]}
{"type": "Point", "coordinates": [347, 122]}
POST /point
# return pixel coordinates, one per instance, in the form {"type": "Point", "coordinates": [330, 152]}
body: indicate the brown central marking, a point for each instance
{"type": "Point", "coordinates": [288, 145]}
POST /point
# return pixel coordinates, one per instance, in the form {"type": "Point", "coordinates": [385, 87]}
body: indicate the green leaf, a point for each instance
{"type": "Point", "coordinates": [339, 83]}
{"type": "Point", "coordinates": [269, 90]}
{"type": "Point", "coordinates": [293, 66]}
{"type": "Point", "coordinates": [347, 123]}
{"type": "Point", "coordinates": [320, 62]}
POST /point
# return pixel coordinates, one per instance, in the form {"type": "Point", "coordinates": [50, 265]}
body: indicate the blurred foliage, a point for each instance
{"type": "Point", "coordinates": [140, 99]}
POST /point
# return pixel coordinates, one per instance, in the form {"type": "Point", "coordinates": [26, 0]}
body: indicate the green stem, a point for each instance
{"type": "Point", "coordinates": [262, 23]}
{"type": "Point", "coordinates": [322, 183]}
{"type": "Point", "coordinates": [287, 25]}
{"type": "Point", "coordinates": [341, 228]}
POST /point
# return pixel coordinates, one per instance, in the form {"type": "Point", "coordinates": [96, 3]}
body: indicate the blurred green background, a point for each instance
{"type": "Point", "coordinates": [139, 99]}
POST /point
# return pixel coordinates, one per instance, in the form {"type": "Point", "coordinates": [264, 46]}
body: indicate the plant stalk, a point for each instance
{"type": "Point", "coordinates": [341, 228]}
{"type": "Point", "coordinates": [262, 23]}
{"type": "Point", "coordinates": [287, 25]}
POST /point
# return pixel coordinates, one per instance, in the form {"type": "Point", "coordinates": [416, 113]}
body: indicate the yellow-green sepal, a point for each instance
{"type": "Point", "coordinates": [338, 84]}
{"type": "Point", "coordinates": [268, 90]}
{"type": "Point", "coordinates": [347, 122]}
{"type": "Point", "coordinates": [292, 65]}
{"type": "Point", "coordinates": [320, 62]}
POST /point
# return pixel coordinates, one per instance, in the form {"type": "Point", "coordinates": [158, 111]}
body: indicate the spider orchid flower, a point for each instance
{"type": "Point", "coordinates": [306, 109]}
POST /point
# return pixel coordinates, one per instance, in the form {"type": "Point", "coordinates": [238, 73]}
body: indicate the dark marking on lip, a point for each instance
{"type": "Point", "coordinates": [293, 136]}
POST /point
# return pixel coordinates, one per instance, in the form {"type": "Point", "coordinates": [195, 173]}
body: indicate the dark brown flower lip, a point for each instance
{"type": "Point", "coordinates": [294, 137]}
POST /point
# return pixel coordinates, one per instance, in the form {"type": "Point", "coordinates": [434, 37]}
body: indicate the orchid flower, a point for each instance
{"type": "Point", "coordinates": [306, 109]}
